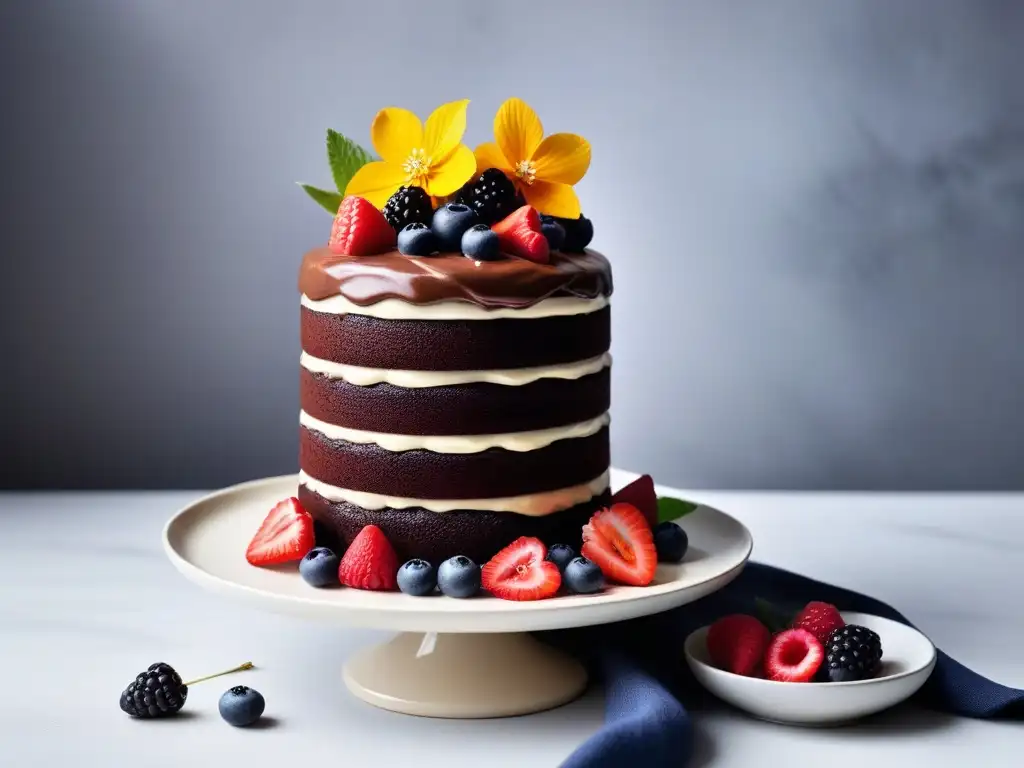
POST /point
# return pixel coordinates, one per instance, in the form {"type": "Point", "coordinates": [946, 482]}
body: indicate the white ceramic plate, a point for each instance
{"type": "Point", "coordinates": [206, 541]}
{"type": "Point", "coordinates": [907, 659]}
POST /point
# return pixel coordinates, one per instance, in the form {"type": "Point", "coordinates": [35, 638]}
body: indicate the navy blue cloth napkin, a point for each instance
{"type": "Point", "coordinates": [647, 682]}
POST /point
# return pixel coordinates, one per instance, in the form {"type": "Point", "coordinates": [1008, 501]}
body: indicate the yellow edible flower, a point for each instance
{"type": "Point", "coordinates": [430, 156]}
{"type": "Point", "coordinates": [543, 169]}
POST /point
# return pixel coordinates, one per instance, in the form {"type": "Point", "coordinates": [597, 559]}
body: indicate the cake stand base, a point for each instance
{"type": "Point", "coordinates": [464, 675]}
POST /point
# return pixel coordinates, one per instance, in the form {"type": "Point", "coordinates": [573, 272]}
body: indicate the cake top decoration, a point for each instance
{"type": "Point", "coordinates": [430, 195]}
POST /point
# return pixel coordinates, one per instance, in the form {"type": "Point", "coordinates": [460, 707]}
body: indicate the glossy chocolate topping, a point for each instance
{"type": "Point", "coordinates": [512, 282]}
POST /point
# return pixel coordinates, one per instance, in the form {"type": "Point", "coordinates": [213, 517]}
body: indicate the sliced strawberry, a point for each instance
{"type": "Point", "coordinates": [520, 572]}
{"type": "Point", "coordinates": [286, 534]}
{"type": "Point", "coordinates": [370, 562]}
{"type": "Point", "coordinates": [820, 619]}
{"type": "Point", "coordinates": [793, 656]}
{"type": "Point", "coordinates": [737, 643]}
{"type": "Point", "coordinates": [360, 229]}
{"type": "Point", "coordinates": [640, 493]}
{"type": "Point", "coordinates": [620, 541]}
{"type": "Point", "coordinates": [519, 233]}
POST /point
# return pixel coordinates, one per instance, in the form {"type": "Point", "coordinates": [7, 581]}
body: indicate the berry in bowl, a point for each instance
{"type": "Point", "coordinates": [821, 668]}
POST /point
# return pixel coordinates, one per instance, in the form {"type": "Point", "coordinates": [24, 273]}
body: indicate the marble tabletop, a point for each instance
{"type": "Point", "coordinates": [87, 599]}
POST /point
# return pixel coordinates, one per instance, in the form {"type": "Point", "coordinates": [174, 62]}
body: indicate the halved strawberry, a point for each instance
{"type": "Point", "coordinates": [286, 534]}
{"type": "Point", "coordinates": [360, 229]}
{"type": "Point", "coordinates": [794, 656]}
{"type": "Point", "coordinates": [370, 562]}
{"type": "Point", "coordinates": [519, 233]}
{"type": "Point", "coordinates": [736, 643]}
{"type": "Point", "coordinates": [640, 493]}
{"type": "Point", "coordinates": [520, 572]}
{"type": "Point", "coordinates": [620, 541]}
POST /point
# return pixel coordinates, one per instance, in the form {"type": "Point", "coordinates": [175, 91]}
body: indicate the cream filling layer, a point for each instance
{"type": "Point", "coordinates": [512, 377]}
{"type": "Point", "coordinates": [531, 504]}
{"type": "Point", "coordinates": [511, 441]}
{"type": "Point", "coordinates": [396, 309]}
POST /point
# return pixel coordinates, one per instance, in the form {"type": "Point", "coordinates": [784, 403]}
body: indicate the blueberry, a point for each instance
{"type": "Point", "coordinates": [459, 577]}
{"type": "Point", "coordinates": [583, 576]}
{"type": "Point", "coordinates": [560, 555]}
{"type": "Point", "coordinates": [671, 542]}
{"type": "Point", "coordinates": [450, 221]}
{"type": "Point", "coordinates": [417, 578]}
{"type": "Point", "coordinates": [578, 233]}
{"type": "Point", "coordinates": [480, 243]}
{"type": "Point", "coordinates": [319, 568]}
{"type": "Point", "coordinates": [241, 706]}
{"type": "Point", "coordinates": [417, 239]}
{"type": "Point", "coordinates": [553, 231]}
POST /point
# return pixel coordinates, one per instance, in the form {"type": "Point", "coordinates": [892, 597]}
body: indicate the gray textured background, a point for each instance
{"type": "Point", "coordinates": [815, 213]}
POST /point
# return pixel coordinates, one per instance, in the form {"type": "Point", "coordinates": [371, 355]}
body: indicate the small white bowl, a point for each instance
{"type": "Point", "coordinates": [907, 659]}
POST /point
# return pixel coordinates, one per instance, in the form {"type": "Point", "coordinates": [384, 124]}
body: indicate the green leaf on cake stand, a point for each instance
{"type": "Point", "coordinates": [672, 509]}
{"type": "Point", "coordinates": [329, 200]}
{"type": "Point", "coordinates": [346, 157]}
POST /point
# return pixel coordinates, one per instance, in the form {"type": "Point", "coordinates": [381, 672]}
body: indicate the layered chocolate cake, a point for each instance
{"type": "Point", "coordinates": [456, 404]}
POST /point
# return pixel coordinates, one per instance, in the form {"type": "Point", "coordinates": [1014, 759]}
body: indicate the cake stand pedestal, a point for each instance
{"type": "Point", "coordinates": [452, 658]}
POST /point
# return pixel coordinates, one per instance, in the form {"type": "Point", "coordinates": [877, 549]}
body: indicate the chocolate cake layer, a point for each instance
{"type": "Point", "coordinates": [454, 345]}
{"type": "Point", "coordinates": [465, 409]}
{"type": "Point", "coordinates": [437, 536]}
{"type": "Point", "coordinates": [511, 282]}
{"type": "Point", "coordinates": [421, 474]}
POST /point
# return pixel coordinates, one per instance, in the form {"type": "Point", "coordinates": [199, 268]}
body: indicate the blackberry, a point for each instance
{"type": "Point", "coordinates": [409, 205]}
{"type": "Point", "coordinates": [492, 195]}
{"type": "Point", "coordinates": [851, 653]}
{"type": "Point", "coordinates": [157, 692]}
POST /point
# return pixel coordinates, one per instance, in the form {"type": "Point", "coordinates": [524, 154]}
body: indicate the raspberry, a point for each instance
{"type": "Point", "coordinates": [820, 619]}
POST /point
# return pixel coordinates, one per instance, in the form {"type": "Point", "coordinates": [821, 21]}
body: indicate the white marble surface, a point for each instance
{"type": "Point", "coordinates": [87, 600]}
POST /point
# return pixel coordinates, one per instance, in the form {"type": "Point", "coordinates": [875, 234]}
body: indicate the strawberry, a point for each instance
{"type": "Point", "coordinates": [520, 234]}
{"type": "Point", "coordinates": [620, 541]}
{"type": "Point", "coordinates": [360, 229]}
{"type": "Point", "coordinates": [286, 534]}
{"type": "Point", "coordinates": [640, 493]}
{"type": "Point", "coordinates": [820, 619]}
{"type": "Point", "coordinates": [370, 562]}
{"type": "Point", "coordinates": [793, 656]}
{"type": "Point", "coordinates": [520, 572]}
{"type": "Point", "coordinates": [737, 643]}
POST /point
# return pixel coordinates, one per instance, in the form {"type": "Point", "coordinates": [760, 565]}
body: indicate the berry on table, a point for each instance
{"type": "Point", "coordinates": [450, 222]}
{"type": "Point", "coordinates": [286, 534]}
{"type": "Point", "coordinates": [820, 619]}
{"type": "Point", "coordinates": [521, 572]}
{"type": "Point", "coordinates": [458, 577]}
{"type": "Point", "coordinates": [620, 541]}
{"type": "Point", "coordinates": [851, 653]}
{"type": "Point", "coordinates": [157, 692]}
{"type": "Point", "coordinates": [319, 568]}
{"type": "Point", "coordinates": [370, 562]}
{"type": "Point", "coordinates": [583, 576]}
{"type": "Point", "coordinates": [360, 229]}
{"type": "Point", "coordinates": [578, 234]}
{"type": "Point", "coordinates": [417, 578]}
{"type": "Point", "coordinates": [553, 231]}
{"type": "Point", "coordinates": [671, 542]}
{"type": "Point", "coordinates": [417, 239]}
{"type": "Point", "coordinates": [241, 706]}
{"type": "Point", "coordinates": [736, 643]}
{"type": "Point", "coordinates": [409, 205]}
{"type": "Point", "coordinates": [793, 656]}
{"type": "Point", "coordinates": [560, 555]}
{"type": "Point", "coordinates": [492, 195]}
{"type": "Point", "coordinates": [479, 242]}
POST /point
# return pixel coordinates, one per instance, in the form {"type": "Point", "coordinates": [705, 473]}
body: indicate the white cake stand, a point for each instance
{"type": "Point", "coordinates": [451, 658]}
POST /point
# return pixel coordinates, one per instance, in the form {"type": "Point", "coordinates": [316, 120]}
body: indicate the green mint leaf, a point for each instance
{"type": "Point", "coordinates": [671, 509]}
{"type": "Point", "coordinates": [329, 200]}
{"type": "Point", "coordinates": [346, 157]}
{"type": "Point", "coordinates": [772, 616]}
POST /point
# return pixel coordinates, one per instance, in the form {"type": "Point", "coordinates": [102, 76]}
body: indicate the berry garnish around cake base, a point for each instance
{"type": "Point", "coordinates": [521, 572]}
{"type": "Point", "coordinates": [561, 555]}
{"type": "Point", "coordinates": [737, 643]}
{"type": "Point", "coordinates": [793, 656]}
{"type": "Point", "coordinates": [641, 494]}
{"type": "Point", "coordinates": [671, 542]}
{"type": "Point", "coordinates": [319, 568]}
{"type": "Point", "coordinates": [582, 576]}
{"type": "Point", "coordinates": [417, 578]}
{"type": "Point", "coordinates": [286, 535]}
{"type": "Point", "coordinates": [620, 541]}
{"type": "Point", "coordinates": [370, 562]}
{"type": "Point", "coordinates": [458, 577]}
